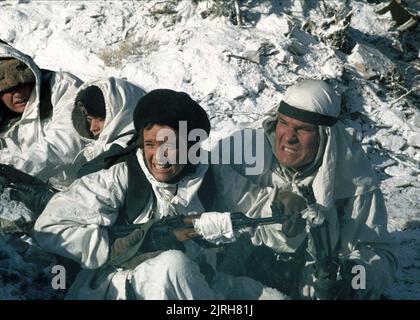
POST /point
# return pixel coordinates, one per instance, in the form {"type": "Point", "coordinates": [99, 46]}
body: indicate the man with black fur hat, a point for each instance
{"type": "Point", "coordinates": [36, 134]}
{"type": "Point", "coordinates": [150, 183]}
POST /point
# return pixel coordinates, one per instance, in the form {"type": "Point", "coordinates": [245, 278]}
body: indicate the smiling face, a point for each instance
{"type": "Point", "coordinates": [296, 143]}
{"type": "Point", "coordinates": [17, 97]}
{"type": "Point", "coordinates": [161, 162]}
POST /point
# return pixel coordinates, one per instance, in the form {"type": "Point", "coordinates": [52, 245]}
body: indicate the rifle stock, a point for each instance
{"type": "Point", "coordinates": [13, 175]}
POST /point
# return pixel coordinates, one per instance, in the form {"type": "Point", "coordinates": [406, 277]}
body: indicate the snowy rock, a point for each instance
{"type": "Point", "coordinates": [413, 153]}
{"type": "Point", "coordinates": [393, 119]}
{"type": "Point", "coordinates": [414, 140]}
{"type": "Point", "coordinates": [400, 182]}
{"type": "Point", "coordinates": [273, 21]}
{"type": "Point", "coordinates": [303, 37]}
{"type": "Point", "coordinates": [398, 171]}
{"type": "Point", "coordinates": [235, 92]}
{"type": "Point", "coordinates": [80, 7]}
{"type": "Point", "coordinates": [10, 36]}
{"type": "Point", "coordinates": [369, 62]}
{"type": "Point", "coordinates": [296, 47]}
{"type": "Point", "coordinates": [381, 163]}
{"type": "Point", "coordinates": [416, 120]}
{"type": "Point", "coordinates": [367, 21]}
{"type": "Point", "coordinates": [389, 141]}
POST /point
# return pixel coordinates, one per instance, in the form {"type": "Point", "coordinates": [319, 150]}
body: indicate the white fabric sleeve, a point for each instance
{"type": "Point", "coordinates": [72, 224]}
{"type": "Point", "coordinates": [235, 192]}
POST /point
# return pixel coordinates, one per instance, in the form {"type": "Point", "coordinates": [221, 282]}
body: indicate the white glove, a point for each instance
{"type": "Point", "coordinates": [215, 227]}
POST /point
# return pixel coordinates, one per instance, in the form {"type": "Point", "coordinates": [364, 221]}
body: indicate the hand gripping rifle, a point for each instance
{"type": "Point", "coordinates": [169, 232]}
{"type": "Point", "coordinates": [327, 265]}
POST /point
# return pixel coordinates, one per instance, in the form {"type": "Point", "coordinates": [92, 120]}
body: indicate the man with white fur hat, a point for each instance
{"type": "Point", "coordinates": [335, 243]}
{"type": "Point", "coordinates": [36, 131]}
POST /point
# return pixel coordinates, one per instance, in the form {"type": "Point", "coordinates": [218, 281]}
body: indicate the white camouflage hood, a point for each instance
{"type": "Point", "coordinates": [31, 113]}
{"type": "Point", "coordinates": [345, 170]}
{"type": "Point", "coordinates": [120, 101]}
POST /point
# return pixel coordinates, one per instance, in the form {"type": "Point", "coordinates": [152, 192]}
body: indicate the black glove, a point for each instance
{"type": "Point", "coordinates": [35, 197]}
{"type": "Point", "coordinates": [17, 226]}
{"type": "Point", "coordinates": [4, 183]}
{"type": "Point", "coordinates": [332, 289]}
{"type": "Point", "coordinates": [291, 205]}
{"type": "Point", "coordinates": [2, 143]}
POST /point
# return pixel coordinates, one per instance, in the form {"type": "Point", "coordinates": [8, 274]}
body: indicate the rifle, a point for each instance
{"type": "Point", "coordinates": [13, 175]}
{"type": "Point", "coordinates": [327, 265]}
{"type": "Point", "coordinates": [171, 223]}
{"type": "Point", "coordinates": [327, 262]}
{"type": "Point", "coordinates": [169, 232]}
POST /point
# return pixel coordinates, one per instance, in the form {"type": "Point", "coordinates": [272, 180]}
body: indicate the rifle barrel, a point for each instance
{"type": "Point", "coordinates": [239, 220]}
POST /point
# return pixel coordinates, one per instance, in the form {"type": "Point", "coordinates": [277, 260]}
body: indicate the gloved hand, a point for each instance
{"type": "Point", "coordinates": [215, 227]}
{"type": "Point", "coordinates": [326, 289]}
{"type": "Point", "coordinates": [16, 226]}
{"type": "Point", "coordinates": [4, 183]}
{"type": "Point", "coordinates": [35, 197]}
{"type": "Point", "coordinates": [122, 244]}
{"type": "Point", "coordinates": [332, 289]}
{"type": "Point", "coordinates": [291, 205]}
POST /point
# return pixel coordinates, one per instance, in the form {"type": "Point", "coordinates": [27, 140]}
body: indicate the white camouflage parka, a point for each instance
{"type": "Point", "coordinates": [44, 148]}
{"type": "Point", "coordinates": [74, 223]}
{"type": "Point", "coordinates": [120, 98]}
{"type": "Point", "coordinates": [346, 191]}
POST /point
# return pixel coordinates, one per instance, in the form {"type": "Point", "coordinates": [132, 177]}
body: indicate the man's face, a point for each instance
{"type": "Point", "coordinates": [96, 125]}
{"type": "Point", "coordinates": [16, 98]}
{"type": "Point", "coordinates": [297, 142]}
{"type": "Point", "coordinates": [161, 171]}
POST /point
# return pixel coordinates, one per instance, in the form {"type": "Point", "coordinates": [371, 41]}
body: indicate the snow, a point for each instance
{"type": "Point", "coordinates": [238, 73]}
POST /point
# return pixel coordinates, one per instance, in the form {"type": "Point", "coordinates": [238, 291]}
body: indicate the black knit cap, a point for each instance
{"type": "Point", "coordinates": [92, 100]}
{"type": "Point", "coordinates": [168, 107]}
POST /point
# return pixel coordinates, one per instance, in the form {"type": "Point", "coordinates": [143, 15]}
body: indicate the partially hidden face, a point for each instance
{"type": "Point", "coordinates": [17, 97]}
{"type": "Point", "coordinates": [161, 154]}
{"type": "Point", "coordinates": [96, 125]}
{"type": "Point", "coordinates": [296, 143]}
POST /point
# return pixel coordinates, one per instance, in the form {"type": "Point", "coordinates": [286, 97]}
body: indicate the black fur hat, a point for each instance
{"type": "Point", "coordinates": [168, 107]}
{"type": "Point", "coordinates": [91, 101]}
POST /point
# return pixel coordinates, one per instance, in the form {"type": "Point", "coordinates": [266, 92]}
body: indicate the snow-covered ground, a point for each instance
{"type": "Point", "coordinates": [238, 73]}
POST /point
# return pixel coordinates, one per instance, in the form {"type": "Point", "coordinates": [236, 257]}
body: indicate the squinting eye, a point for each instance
{"type": "Point", "coordinates": [306, 130]}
